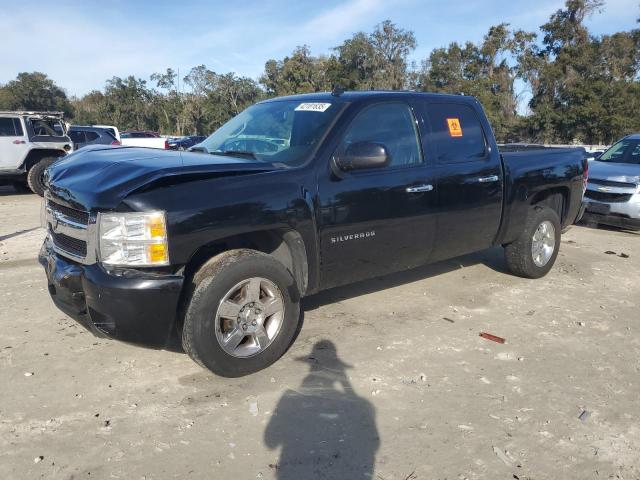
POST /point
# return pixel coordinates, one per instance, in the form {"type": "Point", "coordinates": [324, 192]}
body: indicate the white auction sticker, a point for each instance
{"type": "Point", "coordinates": [312, 107]}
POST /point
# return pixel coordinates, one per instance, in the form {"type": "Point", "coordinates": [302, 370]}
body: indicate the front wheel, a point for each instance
{"type": "Point", "coordinates": [35, 176]}
{"type": "Point", "coordinates": [243, 313]}
{"type": "Point", "coordinates": [533, 254]}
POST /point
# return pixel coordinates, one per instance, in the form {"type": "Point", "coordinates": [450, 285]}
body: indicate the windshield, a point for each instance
{"type": "Point", "coordinates": [625, 151]}
{"type": "Point", "coordinates": [280, 131]}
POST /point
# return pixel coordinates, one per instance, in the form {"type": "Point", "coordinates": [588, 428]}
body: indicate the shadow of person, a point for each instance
{"type": "Point", "coordinates": [324, 429]}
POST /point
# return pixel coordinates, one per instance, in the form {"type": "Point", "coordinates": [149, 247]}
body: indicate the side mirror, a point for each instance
{"type": "Point", "coordinates": [197, 148]}
{"type": "Point", "coordinates": [363, 155]}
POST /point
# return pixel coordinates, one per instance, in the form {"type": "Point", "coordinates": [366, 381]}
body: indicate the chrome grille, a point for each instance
{"type": "Point", "coordinates": [71, 231]}
{"type": "Point", "coordinates": [76, 215]}
{"type": "Point", "coordinates": [607, 196]}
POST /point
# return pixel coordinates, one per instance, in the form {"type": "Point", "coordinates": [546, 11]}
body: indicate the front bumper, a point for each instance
{"type": "Point", "coordinates": [617, 214]}
{"type": "Point", "coordinates": [133, 306]}
{"type": "Point", "coordinates": [612, 220]}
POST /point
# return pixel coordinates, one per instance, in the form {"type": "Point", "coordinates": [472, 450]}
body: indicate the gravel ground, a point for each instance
{"type": "Point", "coordinates": [388, 378]}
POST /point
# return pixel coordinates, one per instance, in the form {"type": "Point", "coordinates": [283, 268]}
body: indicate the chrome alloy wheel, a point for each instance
{"type": "Point", "coordinates": [543, 244]}
{"type": "Point", "coordinates": [249, 317]}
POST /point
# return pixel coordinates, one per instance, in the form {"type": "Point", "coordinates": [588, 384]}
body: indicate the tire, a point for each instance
{"type": "Point", "coordinates": [35, 176]}
{"type": "Point", "coordinates": [203, 328]}
{"type": "Point", "coordinates": [520, 254]}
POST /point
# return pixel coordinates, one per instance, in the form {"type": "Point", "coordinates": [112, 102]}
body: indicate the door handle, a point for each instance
{"type": "Point", "coordinates": [19, 142]}
{"type": "Point", "coordinates": [419, 188]}
{"type": "Point", "coordinates": [489, 179]}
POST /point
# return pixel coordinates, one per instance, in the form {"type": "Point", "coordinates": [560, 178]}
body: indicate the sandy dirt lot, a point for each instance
{"type": "Point", "coordinates": [388, 378]}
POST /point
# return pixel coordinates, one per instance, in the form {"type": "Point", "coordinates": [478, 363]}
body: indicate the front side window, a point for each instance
{"type": "Point", "coordinates": [391, 124]}
{"type": "Point", "coordinates": [625, 151]}
{"type": "Point", "coordinates": [283, 131]}
{"type": "Point", "coordinates": [456, 133]}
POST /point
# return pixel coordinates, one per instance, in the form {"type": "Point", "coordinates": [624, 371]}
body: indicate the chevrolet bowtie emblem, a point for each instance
{"type": "Point", "coordinates": [603, 189]}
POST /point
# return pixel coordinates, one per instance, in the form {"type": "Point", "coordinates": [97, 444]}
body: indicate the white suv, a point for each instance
{"type": "Point", "coordinates": [29, 143]}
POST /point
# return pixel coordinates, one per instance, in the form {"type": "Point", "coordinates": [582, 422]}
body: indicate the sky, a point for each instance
{"type": "Point", "coordinates": [81, 44]}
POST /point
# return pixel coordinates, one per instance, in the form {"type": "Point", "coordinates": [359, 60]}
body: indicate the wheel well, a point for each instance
{"type": "Point", "coordinates": [34, 156]}
{"type": "Point", "coordinates": [555, 198]}
{"type": "Point", "coordinates": [286, 246]}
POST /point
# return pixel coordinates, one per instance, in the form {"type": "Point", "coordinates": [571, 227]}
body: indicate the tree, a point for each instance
{"type": "Point", "coordinates": [34, 91]}
{"type": "Point", "coordinates": [391, 47]}
{"type": "Point", "coordinates": [584, 88]}
{"type": "Point", "coordinates": [299, 73]}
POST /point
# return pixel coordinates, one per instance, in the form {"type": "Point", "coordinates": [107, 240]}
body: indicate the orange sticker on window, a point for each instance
{"type": "Point", "coordinates": [455, 129]}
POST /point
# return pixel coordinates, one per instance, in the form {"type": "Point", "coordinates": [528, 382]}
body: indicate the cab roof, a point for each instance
{"type": "Point", "coordinates": [353, 96]}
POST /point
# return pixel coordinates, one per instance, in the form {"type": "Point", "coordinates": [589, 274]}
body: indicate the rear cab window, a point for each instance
{"type": "Point", "coordinates": [456, 135]}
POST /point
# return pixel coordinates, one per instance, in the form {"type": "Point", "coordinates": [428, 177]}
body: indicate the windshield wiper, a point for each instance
{"type": "Point", "coordinates": [237, 153]}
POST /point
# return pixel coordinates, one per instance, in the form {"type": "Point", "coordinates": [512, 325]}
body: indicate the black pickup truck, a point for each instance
{"type": "Point", "coordinates": [216, 247]}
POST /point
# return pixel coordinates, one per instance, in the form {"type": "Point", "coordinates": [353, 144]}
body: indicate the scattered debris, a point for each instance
{"type": "Point", "coordinates": [610, 252]}
{"type": "Point", "coordinates": [411, 476]}
{"type": "Point", "coordinates": [584, 416]}
{"type": "Point", "coordinates": [375, 392]}
{"type": "Point", "coordinates": [107, 423]}
{"type": "Point", "coordinates": [530, 313]}
{"type": "Point", "coordinates": [423, 377]}
{"type": "Point", "coordinates": [502, 456]}
{"type": "Point", "coordinates": [253, 406]}
{"type": "Point", "coordinates": [493, 338]}
{"type": "Point", "coordinates": [581, 324]}
{"type": "Point", "coordinates": [623, 255]}
{"type": "Point", "coordinates": [28, 374]}
{"type": "Point", "coordinates": [448, 320]}
{"type": "Point", "coordinates": [38, 459]}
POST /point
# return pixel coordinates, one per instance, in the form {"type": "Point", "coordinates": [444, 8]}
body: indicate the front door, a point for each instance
{"type": "Point", "coordinates": [380, 220]}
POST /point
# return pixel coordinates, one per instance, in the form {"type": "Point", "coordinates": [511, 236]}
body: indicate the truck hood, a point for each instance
{"type": "Point", "coordinates": [616, 172]}
{"type": "Point", "coordinates": [101, 177]}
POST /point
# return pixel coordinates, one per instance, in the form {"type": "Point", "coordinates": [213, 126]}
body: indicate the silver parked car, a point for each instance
{"type": "Point", "coordinates": [613, 192]}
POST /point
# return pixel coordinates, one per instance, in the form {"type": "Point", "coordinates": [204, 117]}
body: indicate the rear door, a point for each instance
{"type": "Point", "coordinates": [380, 220]}
{"type": "Point", "coordinates": [14, 144]}
{"type": "Point", "coordinates": [469, 177]}
{"type": "Point", "coordinates": [78, 138]}
{"type": "Point", "coordinates": [92, 138]}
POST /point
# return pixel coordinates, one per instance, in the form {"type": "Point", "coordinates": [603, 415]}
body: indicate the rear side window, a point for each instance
{"type": "Point", "coordinates": [91, 136]}
{"type": "Point", "coordinates": [391, 124]}
{"type": "Point", "coordinates": [76, 137]}
{"type": "Point", "coordinates": [456, 133]}
{"type": "Point", "coordinates": [10, 127]}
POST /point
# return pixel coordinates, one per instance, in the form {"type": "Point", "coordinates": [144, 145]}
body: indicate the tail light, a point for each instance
{"type": "Point", "coordinates": [116, 142]}
{"type": "Point", "coordinates": [166, 144]}
{"type": "Point", "coordinates": [585, 175]}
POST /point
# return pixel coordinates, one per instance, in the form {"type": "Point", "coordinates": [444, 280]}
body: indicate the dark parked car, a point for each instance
{"type": "Point", "coordinates": [82, 136]}
{"type": "Point", "coordinates": [292, 196]}
{"type": "Point", "coordinates": [185, 142]}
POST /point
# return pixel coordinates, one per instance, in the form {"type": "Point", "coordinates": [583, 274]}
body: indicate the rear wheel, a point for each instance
{"type": "Point", "coordinates": [533, 254]}
{"type": "Point", "coordinates": [243, 313]}
{"type": "Point", "coordinates": [35, 176]}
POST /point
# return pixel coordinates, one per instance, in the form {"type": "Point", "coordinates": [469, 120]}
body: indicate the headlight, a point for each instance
{"type": "Point", "coordinates": [133, 239]}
